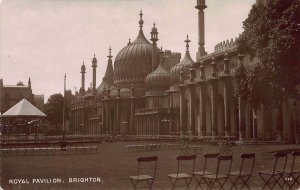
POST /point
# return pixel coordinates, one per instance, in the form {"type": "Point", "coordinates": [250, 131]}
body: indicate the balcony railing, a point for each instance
{"type": "Point", "coordinates": [154, 110]}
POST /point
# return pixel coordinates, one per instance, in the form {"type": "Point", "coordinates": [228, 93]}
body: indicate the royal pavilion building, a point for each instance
{"type": "Point", "coordinates": [148, 92]}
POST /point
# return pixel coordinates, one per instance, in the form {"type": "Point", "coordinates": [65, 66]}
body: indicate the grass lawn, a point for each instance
{"type": "Point", "coordinates": [115, 166]}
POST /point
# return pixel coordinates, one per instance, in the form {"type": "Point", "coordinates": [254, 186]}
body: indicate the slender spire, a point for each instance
{"type": "Point", "coordinates": [141, 22]}
{"type": "Point", "coordinates": [187, 41]}
{"type": "Point", "coordinates": [64, 105]}
{"type": "Point", "coordinates": [109, 73]}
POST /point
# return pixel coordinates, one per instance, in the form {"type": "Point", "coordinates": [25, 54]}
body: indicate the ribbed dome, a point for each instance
{"type": "Point", "coordinates": [159, 78]}
{"type": "Point", "coordinates": [133, 62]}
{"type": "Point", "coordinates": [184, 65]}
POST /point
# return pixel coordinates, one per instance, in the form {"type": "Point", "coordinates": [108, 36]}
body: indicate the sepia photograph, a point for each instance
{"type": "Point", "coordinates": [149, 94]}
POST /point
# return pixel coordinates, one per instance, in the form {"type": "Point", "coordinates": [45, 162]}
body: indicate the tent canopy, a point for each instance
{"type": "Point", "coordinates": [23, 109]}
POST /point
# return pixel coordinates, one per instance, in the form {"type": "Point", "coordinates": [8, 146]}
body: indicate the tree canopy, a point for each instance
{"type": "Point", "coordinates": [54, 109]}
{"type": "Point", "coordinates": [271, 33]}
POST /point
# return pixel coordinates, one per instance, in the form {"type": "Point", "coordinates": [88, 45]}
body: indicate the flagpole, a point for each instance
{"type": "Point", "coordinates": [64, 105]}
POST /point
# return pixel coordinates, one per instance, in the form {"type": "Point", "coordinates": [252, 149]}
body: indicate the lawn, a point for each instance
{"type": "Point", "coordinates": [114, 166]}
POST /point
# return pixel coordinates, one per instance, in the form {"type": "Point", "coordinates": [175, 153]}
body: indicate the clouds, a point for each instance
{"type": "Point", "coordinates": [45, 39]}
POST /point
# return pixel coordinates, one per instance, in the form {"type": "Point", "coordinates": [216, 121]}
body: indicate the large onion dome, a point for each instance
{"type": "Point", "coordinates": [133, 62]}
{"type": "Point", "coordinates": [184, 65]}
{"type": "Point", "coordinates": [159, 78]}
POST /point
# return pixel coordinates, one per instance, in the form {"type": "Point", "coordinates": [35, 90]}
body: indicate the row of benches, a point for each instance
{"type": "Point", "coordinates": [280, 176]}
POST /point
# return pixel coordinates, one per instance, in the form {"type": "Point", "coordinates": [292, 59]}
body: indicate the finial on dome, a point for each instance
{"type": "Point", "coordinates": [109, 55]}
{"type": "Point", "coordinates": [129, 42]}
{"type": "Point", "coordinates": [141, 22]}
{"type": "Point", "coordinates": [187, 41]}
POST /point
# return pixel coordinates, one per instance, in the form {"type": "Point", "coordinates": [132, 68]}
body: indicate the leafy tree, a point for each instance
{"type": "Point", "coordinates": [271, 33]}
{"type": "Point", "coordinates": [54, 110]}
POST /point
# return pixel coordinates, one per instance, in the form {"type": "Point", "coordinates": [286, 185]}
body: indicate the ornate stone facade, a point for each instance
{"type": "Point", "coordinates": [151, 94]}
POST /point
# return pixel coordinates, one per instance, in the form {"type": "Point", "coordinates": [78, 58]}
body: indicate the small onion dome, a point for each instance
{"type": "Point", "coordinates": [184, 65]}
{"type": "Point", "coordinates": [159, 78]}
{"type": "Point", "coordinates": [154, 29]}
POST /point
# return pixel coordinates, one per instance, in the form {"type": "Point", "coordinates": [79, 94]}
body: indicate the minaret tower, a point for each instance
{"type": "Point", "coordinates": [94, 65]}
{"type": "Point", "coordinates": [154, 39]}
{"type": "Point", "coordinates": [201, 30]}
{"type": "Point", "coordinates": [82, 89]}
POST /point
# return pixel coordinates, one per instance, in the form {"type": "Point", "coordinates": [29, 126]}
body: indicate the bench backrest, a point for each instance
{"type": "Point", "coordinates": [224, 160]}
{"type": "Point", "coordinates": [295, 154]}
{"type": "Point", "coordinates": [280, 157]}
{"type": "Point", "coordinates": [147, 159]}
{"type": "Point", "coordinates": [247, 158]}
{"type": "Point", "coordinates": [185, 158]}
{"type": "Point", "coordinates": [211, 157]}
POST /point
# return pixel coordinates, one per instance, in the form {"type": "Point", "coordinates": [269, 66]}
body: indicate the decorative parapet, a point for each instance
{"type": "Point", "coordinates": [226, 45]}
{"type": "Point", "coordinates": [169, 53]}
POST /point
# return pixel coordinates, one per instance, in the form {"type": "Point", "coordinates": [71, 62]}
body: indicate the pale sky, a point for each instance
{"type": "Point", "coordinates": [44, 39]}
